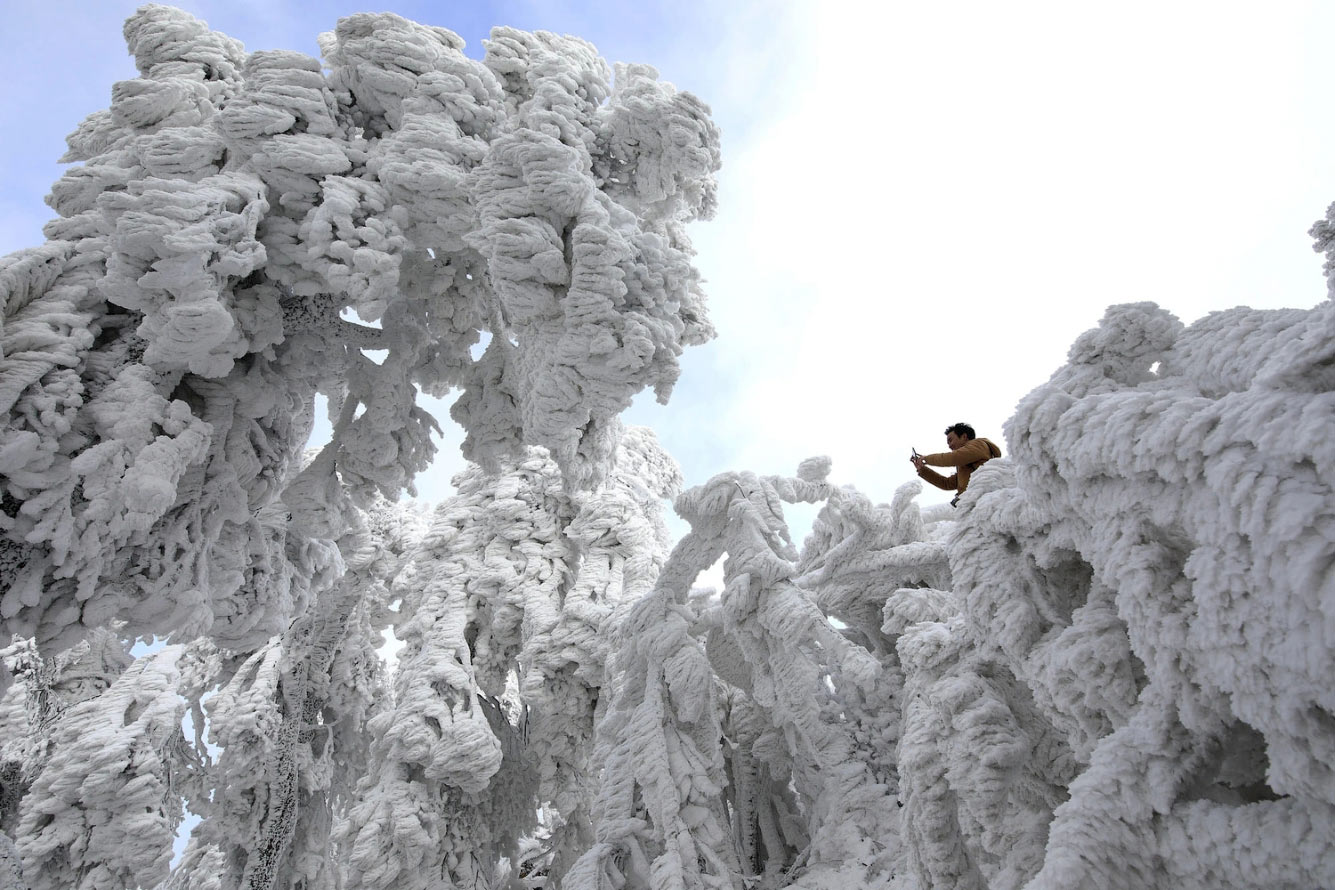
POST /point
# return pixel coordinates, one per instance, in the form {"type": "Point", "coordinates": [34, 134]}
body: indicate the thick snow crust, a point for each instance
{"type": "Point", "coordinates": [1109, 667]}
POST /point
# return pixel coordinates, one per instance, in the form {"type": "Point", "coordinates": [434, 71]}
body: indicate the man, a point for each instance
{"type": "Point", "coordinates": [967, 453]}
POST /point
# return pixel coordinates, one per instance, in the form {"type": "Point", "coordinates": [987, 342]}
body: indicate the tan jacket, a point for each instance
{"type": "Point", "coordinates": [965, 459]}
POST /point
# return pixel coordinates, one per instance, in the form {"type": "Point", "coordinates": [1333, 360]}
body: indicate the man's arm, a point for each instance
{"type": "Point", "coordinates": [949, 483]}
{"type": "Point", "coordinates": [972, 452]}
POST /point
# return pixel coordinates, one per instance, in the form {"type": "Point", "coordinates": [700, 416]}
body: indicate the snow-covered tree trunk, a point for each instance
{"type": "Point", "coordinates": [249, 230]}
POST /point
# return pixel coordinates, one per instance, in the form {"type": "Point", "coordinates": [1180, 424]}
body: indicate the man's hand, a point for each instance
{"type": "Point", "coordinates": [917, 461]}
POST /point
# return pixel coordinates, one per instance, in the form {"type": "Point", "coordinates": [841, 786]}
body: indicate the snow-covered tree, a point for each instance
{"type": "Point", "coordinates": [246, 231]}
{"type": "Point", "coordinates": [102, 811]}
{"type": "Point", "coordinates": [288, 723]}
{"type": "Point", "coordinates": [163, 349]}
{"type": "Point", "coordinates": [505, 613]}
{"type": "Point", "coordinates": [790, 792]}
{"type": "Point", "coordinates": [43, 691]}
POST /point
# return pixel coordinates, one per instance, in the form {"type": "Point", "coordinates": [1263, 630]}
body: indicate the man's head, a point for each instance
{"type": "Point", "coordinates": [958, 435]}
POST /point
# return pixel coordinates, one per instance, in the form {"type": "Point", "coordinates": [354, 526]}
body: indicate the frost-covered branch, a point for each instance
{"type": "Point", "coordinates": [163, 350]}
{"type": "Point", "coordinates": [504, 613]}
{"type": "Point", "coordinates": [662, 807]}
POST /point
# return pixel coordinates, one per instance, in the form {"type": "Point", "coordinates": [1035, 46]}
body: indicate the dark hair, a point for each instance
{"type": "Point", "coordinates": [962, 429]}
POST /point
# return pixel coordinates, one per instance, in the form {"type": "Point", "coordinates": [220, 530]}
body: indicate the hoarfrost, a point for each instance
{"type": "Point", "coordinates": [1109, 666]}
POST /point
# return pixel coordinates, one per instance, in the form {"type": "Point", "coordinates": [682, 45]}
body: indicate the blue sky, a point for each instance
{"type": "Point", "coordinates": [922, 205]}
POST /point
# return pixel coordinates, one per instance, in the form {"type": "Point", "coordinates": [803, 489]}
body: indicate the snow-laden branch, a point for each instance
{"type": "Point", "coordinates": [505, 612]}
{"type": "Point", "coordinates": [102, 811]}
{"type": "Point", "coordinates": [162, 352]}
{"type": "Point", "coordinates": [662, 806]}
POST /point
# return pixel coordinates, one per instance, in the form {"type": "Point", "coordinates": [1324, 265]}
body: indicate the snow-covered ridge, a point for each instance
{"type": "Point", "coordinates": [1109, 667]}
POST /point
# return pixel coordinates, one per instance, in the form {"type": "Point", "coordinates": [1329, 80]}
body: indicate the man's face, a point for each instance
{"type": "Point", "coordinates": [954, 442]}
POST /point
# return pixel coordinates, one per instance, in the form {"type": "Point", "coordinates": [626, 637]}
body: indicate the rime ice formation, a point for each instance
{"type": "Point", "coordinates": [1109, 667]}
{"type": "Point", "coordinates": [1131, 687]}
{"type": "Point", "coordinates": [511, 594]}
{"type": "Point", "coordinates": [232, 215]}
{"type": "Point", "coordinates": [286, 726]}
{"type": "Point", "coordinates": [102, 810]}
{"type": "Point", "coordinates": [246, 231]}
{"type": "Point", "coordinates": [779, 796]}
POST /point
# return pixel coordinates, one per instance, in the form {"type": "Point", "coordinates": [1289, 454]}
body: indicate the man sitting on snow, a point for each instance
{"type": "Point", "coordinates": [967, 453]}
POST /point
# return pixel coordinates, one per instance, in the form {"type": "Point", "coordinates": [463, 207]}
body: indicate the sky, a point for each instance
{"type": "Point", "coordinates": [921, 205]}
